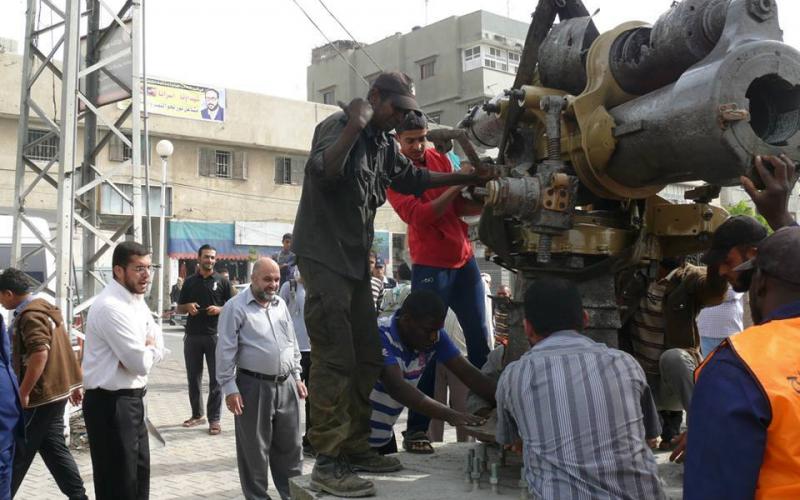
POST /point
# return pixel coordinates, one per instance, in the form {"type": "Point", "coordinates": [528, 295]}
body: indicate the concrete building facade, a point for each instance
{"type": "Point", "coordinates": [456, 63]}
{"type": "Point", "coordinates": [242, 176]}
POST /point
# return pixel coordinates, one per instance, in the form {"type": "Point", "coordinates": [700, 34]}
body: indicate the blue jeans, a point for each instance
{"type": "Point", "coordinates": [6, 461]}
{"type": "Point", "coordinates": [708, 344]}
{"type": "Point", "coordinates": [462, 291]}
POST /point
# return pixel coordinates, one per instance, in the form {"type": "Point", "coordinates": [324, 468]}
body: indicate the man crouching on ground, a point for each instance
{"type": "Point", "coordinates": [578, 405]}
{"type": "Point", "coordinates": [411, 339]}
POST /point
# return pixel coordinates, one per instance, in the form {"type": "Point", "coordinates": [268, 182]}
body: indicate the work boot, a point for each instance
{"type": "Point", "coordinates": [372, 461]}
{"type": "Point", "coordinates": [333, 476]}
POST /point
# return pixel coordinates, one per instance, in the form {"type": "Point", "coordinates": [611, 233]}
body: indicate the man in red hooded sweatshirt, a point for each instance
{"type": "Point", "coordinates": [442, 258]}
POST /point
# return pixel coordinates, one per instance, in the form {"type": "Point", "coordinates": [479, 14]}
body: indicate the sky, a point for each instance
{"type": "Point", "coordinates": [264, 46]}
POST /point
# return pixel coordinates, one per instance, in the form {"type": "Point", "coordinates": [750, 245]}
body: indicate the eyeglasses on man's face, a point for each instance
{"type": "Point", "coordinates": [144, 269]}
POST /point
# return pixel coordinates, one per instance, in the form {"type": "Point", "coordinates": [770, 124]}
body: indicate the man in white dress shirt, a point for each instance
{"type": "Point", "coordinates": [258, 367]}
{"type": "Point", "coordinates": [123, 343]}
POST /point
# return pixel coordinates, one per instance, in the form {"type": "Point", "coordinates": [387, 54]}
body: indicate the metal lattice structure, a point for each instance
{"type": "Point", "coordinates": [99, 66]}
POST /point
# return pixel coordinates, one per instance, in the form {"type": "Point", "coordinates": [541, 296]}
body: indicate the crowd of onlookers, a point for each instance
{"type": "Point", "coordinates": [322, 326]}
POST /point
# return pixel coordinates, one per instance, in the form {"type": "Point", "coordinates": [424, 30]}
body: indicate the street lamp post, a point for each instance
{"type": "Point", "coordinates": [164, 150]}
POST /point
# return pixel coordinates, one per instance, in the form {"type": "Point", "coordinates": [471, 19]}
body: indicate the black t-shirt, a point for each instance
{"type": "Point", "coordinates": [214, 290]}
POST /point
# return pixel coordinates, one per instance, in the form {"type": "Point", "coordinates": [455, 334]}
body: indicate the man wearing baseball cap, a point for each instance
{"type": "Point", "coordinates": [745, 413]}
{"type": "Point", "coordinates": [398, 88]}
{"type": "Point", "coordinates": [734, 242]}
{"type": "Point", "coordinates": [352, 163]}
{"type": "Point", "coordinates": [736, 239]}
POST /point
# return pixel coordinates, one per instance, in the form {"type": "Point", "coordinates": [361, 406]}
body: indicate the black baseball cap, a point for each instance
{"type": "Point", "coordinates": [737, 230]}
{"type": "Point", "coordinates": [401, 88]}
{"type": "Point", "coordinates": [777, 256]}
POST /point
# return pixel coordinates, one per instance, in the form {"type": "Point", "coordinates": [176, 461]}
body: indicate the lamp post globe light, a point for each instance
{"type": "Point", "coordinates": [164, 149]}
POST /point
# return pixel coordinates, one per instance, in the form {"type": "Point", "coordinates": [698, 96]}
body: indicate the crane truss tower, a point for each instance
{"type": "Point", "coordinates": [100, 66]}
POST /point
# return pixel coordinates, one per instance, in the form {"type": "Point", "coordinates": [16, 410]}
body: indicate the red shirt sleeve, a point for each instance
{"type": "Point", "coordinates": [414, 211]}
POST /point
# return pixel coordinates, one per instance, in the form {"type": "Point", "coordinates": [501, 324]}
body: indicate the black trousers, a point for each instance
{"type": "Point", "coordinates": [44, 433]}
{"type": "Point", "coordinates": [118, 444]}
{"type": "Point", "coordinates": [195, 347]}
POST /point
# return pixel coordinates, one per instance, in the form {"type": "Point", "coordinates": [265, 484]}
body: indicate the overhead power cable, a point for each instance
{"type": "Point", "coordinates": [330, 42]}
{"type": "Point", "coordinates": [358, 45]}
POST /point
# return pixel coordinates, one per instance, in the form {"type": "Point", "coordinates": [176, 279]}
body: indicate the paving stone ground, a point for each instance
{"type": "Point", "coordinates": [194, 465]}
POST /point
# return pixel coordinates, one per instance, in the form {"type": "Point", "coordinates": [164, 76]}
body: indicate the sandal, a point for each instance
{"type": "Point", "coordinates": [418, 442]}
{"type": "Point", "coordinates": [214, 428]}
{"type": "Point", "coordinates": [194, 421]}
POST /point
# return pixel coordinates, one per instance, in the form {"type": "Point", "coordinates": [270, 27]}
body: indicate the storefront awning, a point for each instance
{"type": "Point", "coordinates": [185, 237]}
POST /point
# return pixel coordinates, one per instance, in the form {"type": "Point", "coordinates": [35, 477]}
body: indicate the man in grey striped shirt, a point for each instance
{"type": "Point", "coordinates": [577, 405]}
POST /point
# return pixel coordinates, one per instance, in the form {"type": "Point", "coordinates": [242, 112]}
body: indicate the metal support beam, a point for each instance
{"type": "Point", "coordinates": [67, 155]}
{"type": "Point", "coordinates": [136, 124]}
{"type": "Point", "coordinates": [90, 70]}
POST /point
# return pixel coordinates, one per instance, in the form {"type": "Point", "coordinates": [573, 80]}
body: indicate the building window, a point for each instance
{"type": "Point", "coordinates": [290, 169]}
{"type": "Point", "coordinates": [223, 160]}
{"type": "Point", "coordinates": [225, 164]}
{"type": "Point", "coordinates": [127, 151]}
{"type": "Point", "coordinates": [496, 59]}
{"type": "Point", "coordinates": [426, 69]}
{"type": "Point", "coordinates": [513, 61]}
{"type": "Point", "coordinates": [119, 151]}
{"type": "Point", "coordinates": [112, 203]}
{"type": "Point", "coordinates": [329, 97]}
{"type": "Point", "coordinates": [45, 147]}
{"type": "Point", "coordinates": [283, 170]}
{"type": "Point", "coordinates": [435, 117]}
{"type": "Point", "coordinates": [472, 58]}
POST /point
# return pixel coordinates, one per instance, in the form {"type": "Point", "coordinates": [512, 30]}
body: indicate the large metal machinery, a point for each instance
{"type": "Point", "coordinates": [598, 124]}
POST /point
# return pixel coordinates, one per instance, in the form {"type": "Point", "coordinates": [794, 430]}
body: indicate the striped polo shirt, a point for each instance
{"type": "Point", "coordinates": [385, 410]}
{"type": "Point", "coordinates": [578, 407]}
{"type": "Point", "coordinates": [648, 328]}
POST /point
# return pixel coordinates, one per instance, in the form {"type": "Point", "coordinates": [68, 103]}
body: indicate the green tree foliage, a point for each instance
{"type": "Point", "coordinates": [742, 208]}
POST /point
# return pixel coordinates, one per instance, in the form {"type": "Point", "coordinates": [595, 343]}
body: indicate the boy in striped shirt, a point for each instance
{"type": "Point", "coordinates": [412, 338]}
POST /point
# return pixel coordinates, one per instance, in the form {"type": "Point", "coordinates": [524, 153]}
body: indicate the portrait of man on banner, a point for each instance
{"type": "Point", "coordinates": [213, 105]}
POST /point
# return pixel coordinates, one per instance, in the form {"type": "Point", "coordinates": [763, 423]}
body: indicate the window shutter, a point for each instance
{"type": "Point", "coordinates": [207, 164]}
{"type": "Point", "coordinates": [279, 169]}
{"type": "Point", "coordinates": [239, 165]}
{"type": "Point", "coordinates": [115, 152]}
{"type": "Point", "coordinates": [298, 170]}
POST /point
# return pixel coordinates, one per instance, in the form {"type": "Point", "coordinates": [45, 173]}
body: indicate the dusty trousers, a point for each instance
{"type": "Point", "coordinates": [345, 358]}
